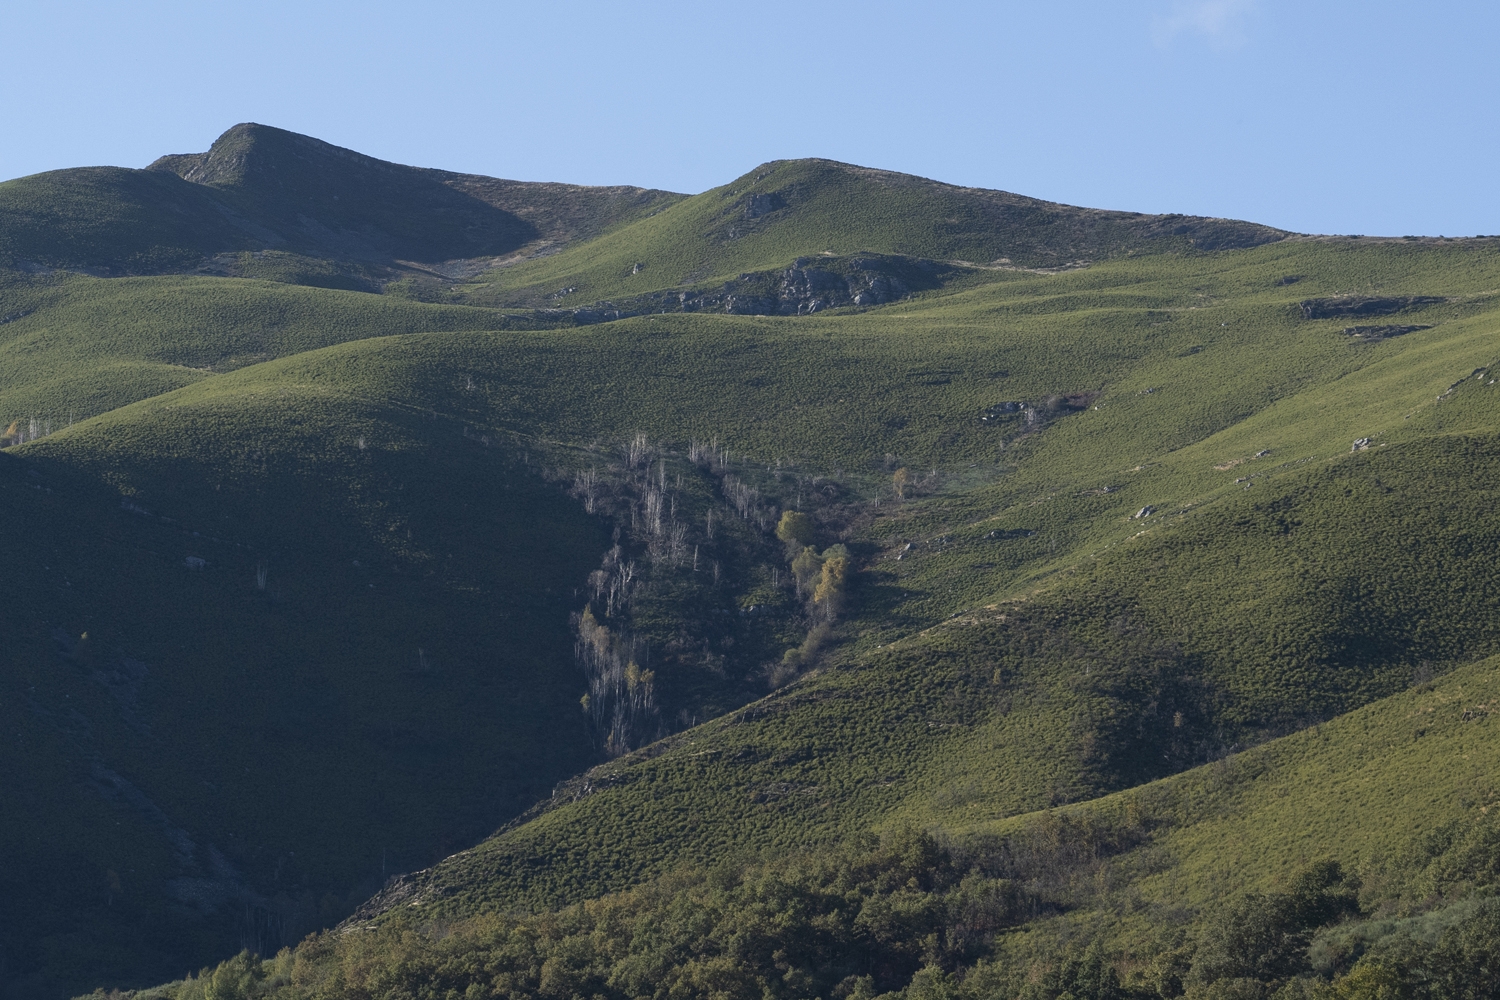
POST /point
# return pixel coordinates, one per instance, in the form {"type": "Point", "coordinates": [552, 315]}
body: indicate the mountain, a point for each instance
{"type": "Point", "coordinates": [263, 202]}
{"type": "Point", "coordinates": [327, 216]}
{"type": "Point", "coordinates": [983, 617]}
{"type": "Point", "coordinates": [796, 213]}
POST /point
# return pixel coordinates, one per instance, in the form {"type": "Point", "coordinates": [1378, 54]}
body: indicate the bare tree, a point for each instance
{"type": "Point", "coordinates": [586, 485]}
{"type": "Point", "coordinates": [621, 698]}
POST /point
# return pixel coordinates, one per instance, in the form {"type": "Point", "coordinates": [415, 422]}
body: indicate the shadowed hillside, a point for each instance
{"type": "Point", "coordinates": [325, 215]}
{"type": "Point", "coordinates": [1353, 854]}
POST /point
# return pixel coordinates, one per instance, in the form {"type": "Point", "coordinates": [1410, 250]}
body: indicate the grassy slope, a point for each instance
{"type": "Point", "coordinates": [1098, 684]}
{"type": "Point", "coordinates": [1367, 787]}
{"type": "Point", "coordinates": [1352, 572]}
{"type": "Point", "coordinates": [829, 207]}
{"type": "Point", "coordinates": [1122, 896]}
{"type": "Point", "coordinates": [1400, 792]}
{"type": "Point", "coordinates": [261, 188]}
{"type": "Point", "coordinates": [393, 692]}
{"type": "Point", "coordinates": [81, 346]}
{"type": "Point", "coordinates": [1127, 326]}
{"type": "Point", "coordinates": [852, 747]}
{"type": "Point", "coordinates": [112, 220]}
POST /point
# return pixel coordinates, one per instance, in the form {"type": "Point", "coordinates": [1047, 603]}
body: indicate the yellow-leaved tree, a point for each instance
{"type": "Point", "coordinates": [831, 580]}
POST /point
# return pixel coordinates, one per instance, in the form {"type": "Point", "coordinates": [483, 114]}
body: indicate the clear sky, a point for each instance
{"type": "Point", "coordinates": [1368, 117]}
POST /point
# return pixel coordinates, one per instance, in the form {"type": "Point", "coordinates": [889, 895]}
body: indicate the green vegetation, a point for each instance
{"type": "Point", "coordinates": [1214, 882]}
{"type": "Point", "coordinates": [282, 693]}
{"type": "Point", "coordinates": [352, 218]}
{"type": "Point", "coordinates": [790, 209]}
{"type": "Point", "coordinates": [81, 346]}
{"type": "Point", "coordinates": [1105, 631]}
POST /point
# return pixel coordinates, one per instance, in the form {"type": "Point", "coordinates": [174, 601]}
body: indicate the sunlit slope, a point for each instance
{"type": "Point", "coordinates": [367, 669]}
{"type": "Point", "coordinates": [792, 208]}
{"type": "Point", "coordinates": [1216, 340]}
{"type": "Point", "coordinates": [1076, 692]}
{"type": "Point", "coordinates": [1204, 330]}
{"type": "Point", "coordinates": [1399, 793]}
{"type": "Point", "coordinates": [1367, 788]}
{"type": "Point", "coordinates": [1256, 616]}
{"type": "Point", "coordinates": [75, 346]}
{"type": "Point", "coordinates": [1198, 396]}
{"type": "Point", "coordinates": [1329, 583]}
{"type": "Point", "coordinates": [1284, 867]}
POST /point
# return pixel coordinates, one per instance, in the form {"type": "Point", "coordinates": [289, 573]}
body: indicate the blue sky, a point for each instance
{"type": "Point", "coordinates": [1375, 117]}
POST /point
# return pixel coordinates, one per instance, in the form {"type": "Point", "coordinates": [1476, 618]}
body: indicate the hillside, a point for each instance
{"type": "Point", "coordinates": [1117, 674]}
{"type": "Point", "coordinates": [236, 702]}
{"type": "Point", "coordinates": [772, 226]}
{"type": "Point", "coordinates": [266, 203]}
{"type": "Point", "coordinates": [1352, 852]}
{"type": "Point", "coordinates": [76, 346]}
{"type": "Point", "coordinates": [263, 202]}
{"type": "Point", "coordinates": [309, 587]}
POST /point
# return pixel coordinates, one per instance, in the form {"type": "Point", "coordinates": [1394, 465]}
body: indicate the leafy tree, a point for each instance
{"type": "Point", "coordinates": [832, 577]}
{"type": "Point", "coordinates": [806, 568]}
{"type": "Point", "coordinates": [1264, 936]}
{"type": "Point", "coordinates": [237, 979]}
{"type": "Point", "coordinates": [1370, 981]}
{"type": "Point", "coordinates": [795, 528]}
{"type": "Point", "coordinates": [1464, 964]}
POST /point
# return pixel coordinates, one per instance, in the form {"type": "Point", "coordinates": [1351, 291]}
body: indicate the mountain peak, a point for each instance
{"type": "Point", "coordinates": [250, 154]}
{"type": "Point", "coordinates": [334, 201]}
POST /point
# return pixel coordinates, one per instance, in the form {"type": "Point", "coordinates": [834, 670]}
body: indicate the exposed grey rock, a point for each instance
{"type": "Point", "coordinates": [1380, 332]}
{"type": "Point", "coordinates": [601, 314]}
{"type": "Point", "coordinates": [763, 204]}
{"type": "Point", "coordinates": [811, 286]}
{"type": "Point", "coordinates": [999, 410]}
{"type": "Point", "coordinates": [1039, 413]}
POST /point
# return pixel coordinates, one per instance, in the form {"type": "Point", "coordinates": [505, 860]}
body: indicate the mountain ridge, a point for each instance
{"type": "Point", "coordinates": [264, 180]}
{"type": "Point", "coordinates": [259, 188]}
